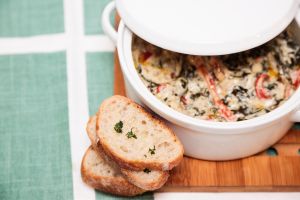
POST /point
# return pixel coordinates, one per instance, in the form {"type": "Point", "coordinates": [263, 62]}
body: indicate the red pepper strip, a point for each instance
{"type": "Point", "coordinates": [173, 75]}
{"type": "Point", "coordinates": [218, 71]}
{"type": "Point", "coordinates": [160, 88]}
{"type": "Point", "coordinates": [296, 78]}
{"type": "Point", "coordinates": [144, 56]}
{"type": "Point", "coordinates": [287, 91]}
{"type": "Point", "coordinates": [224, 110]}
{"type": "Point", "coordinates": [259, 88]}
{"type": "Point", "coordinates": [183, 100]}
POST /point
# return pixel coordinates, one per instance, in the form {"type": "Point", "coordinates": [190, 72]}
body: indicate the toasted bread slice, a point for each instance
{"type": "Point", "coordinates": [105, 176]}
{"type": "Point", "coordinates": [135, 139]}
{"type": "Point", "coordinates": [146, 179]}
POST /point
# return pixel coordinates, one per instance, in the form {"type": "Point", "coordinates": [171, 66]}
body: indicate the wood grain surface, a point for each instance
{"type": "Point", "coordinates": [275, 170]}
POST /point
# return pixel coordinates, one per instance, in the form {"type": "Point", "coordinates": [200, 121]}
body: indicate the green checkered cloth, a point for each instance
{"type": "Point", "coordinates": [35, 160]}
{"type": "Point", "coordinates": [35, 150]}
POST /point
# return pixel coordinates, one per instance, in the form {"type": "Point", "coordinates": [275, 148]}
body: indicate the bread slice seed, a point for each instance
{"type": "Point", "coordinates": [155, 145]}
{"type": "Point", "coordinates": [147, 180]}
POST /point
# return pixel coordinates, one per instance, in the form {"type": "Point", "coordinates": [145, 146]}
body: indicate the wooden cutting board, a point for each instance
{"type": "Point", "coordinates": [277, 169]}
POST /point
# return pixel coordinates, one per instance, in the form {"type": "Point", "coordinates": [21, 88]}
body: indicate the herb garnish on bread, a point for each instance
{"type": "Point", "coordinates": [145, 179]}
{"type": "Point", "coordinates": [151, 144]}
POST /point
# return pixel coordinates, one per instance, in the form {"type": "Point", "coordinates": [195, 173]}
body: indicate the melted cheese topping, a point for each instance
{"type": "Point", "coordinates": [221, 88]}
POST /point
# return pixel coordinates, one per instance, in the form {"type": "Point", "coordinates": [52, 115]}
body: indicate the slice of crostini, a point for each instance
{"type": "Point", "coordinates": [134, 138]}
{"type": "Point", "coordinates": [146, 179]}
{"type": "Point", "coordinates": [105, 176]}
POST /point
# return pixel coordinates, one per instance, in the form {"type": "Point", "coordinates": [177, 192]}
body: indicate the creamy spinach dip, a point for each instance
{"type": "Point", "coordinates": [221, 88]}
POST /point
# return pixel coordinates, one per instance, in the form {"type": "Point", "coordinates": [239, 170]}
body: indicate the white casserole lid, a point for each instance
{"type": "Point", "coordinates": [207, 27]}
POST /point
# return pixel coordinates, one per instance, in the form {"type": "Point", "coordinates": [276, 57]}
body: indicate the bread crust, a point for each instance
{"type": "Point", "coordinates": [113, 185]}
{"type": "Point", "coordinates": [136, 165]}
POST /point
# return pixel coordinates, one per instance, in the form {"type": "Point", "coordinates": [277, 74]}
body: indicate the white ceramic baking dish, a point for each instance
{"type": "Point", "coordinates": [204, 139]}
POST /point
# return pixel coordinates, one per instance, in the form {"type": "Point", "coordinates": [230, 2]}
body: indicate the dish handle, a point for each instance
{"type": "Point", "coordinates": [108, 28]}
